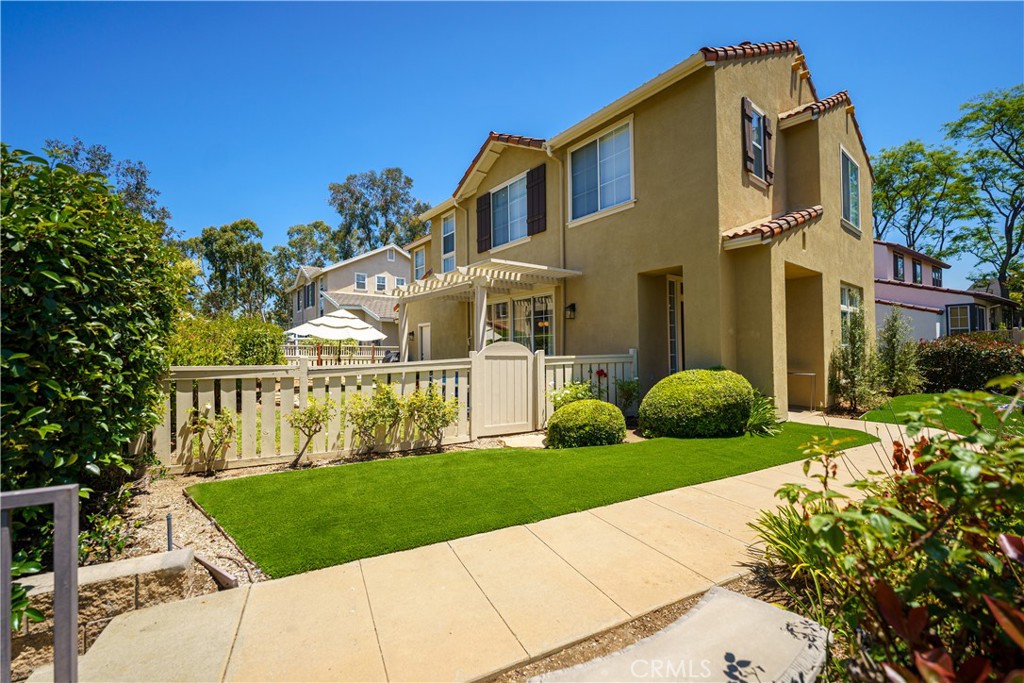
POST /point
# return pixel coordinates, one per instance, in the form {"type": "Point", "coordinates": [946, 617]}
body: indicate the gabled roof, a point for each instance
{"type": "Point", "coordinates": [766, 230]}
{"type": "Point", "coordinates": [312, 271]}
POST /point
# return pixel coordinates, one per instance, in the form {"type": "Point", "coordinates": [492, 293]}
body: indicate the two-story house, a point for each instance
{"type": "Point", "coordinates": [912, 281]}
{"type": "Point", "coordinates": [719, 214]}
{"type": "Point", "coordinates": [363, 285]}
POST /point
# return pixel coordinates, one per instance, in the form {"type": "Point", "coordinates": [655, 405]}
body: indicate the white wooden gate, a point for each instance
{"type": "Point", "coordinates": [504, 391]}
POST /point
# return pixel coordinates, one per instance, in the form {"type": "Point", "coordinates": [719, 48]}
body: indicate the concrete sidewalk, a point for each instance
{"type": "Point", "coordinates": [460, 610]}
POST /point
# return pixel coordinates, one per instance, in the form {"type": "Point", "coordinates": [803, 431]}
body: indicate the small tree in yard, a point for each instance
{"type": "Point", "coordinates": [367, 414]}
{"type": "Point", "coordinates": [852, 378]}
{"type": "Point", "coordinates": [219, 428]}
{"type": "Point", "coordinates": [310, 421]}
{"type": "Point", "coordinates": [897, 356]}
{"type": "Point", "coordinates": [431, 414]}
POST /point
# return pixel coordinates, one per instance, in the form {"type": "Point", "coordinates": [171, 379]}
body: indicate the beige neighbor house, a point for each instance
{"type": "Point", "coordinates": [719, 214]}
{"type": "Point", "coordinates": [362, 285]}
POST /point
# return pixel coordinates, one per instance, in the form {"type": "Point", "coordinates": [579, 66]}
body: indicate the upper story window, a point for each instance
{"type": "Point", "coordinates": [298, 300]}
{"type": "Point", "coordinates": [361, 282]}
{"type": "Point", "coordinates": [851, 190]}
{"type": "Point", "coordinates": [448, 243]}
{"type": "Point", "coordinates": [936, 276]}
{"type": "Point", "coordinates": [382, 283]}
{"type": "Point", "coordinates": [508, 213]}
{"type": "Point", "coordinates": [391, 254]}
{"type": "Point", "coordinates": [307, 293]}
{"type": "Point", "coordinates": [897, 267]}
{"type": "Point", "coordinates": [419, 264]}
{"type": "Point", "coordinates": [601, 174]}
{"type": "Point", "coordinates": [320, 299]}
{"type": "Point", "coordinates": [918, 272]}
{"type": "Point", "coordinates": [399, 282]}
{"type": "Point", "coordinates": [757, 142]}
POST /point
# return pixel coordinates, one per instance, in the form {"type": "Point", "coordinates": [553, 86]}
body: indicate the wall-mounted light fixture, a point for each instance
{"type": "Point", "coordinates": [412, 334]}
{"type": "Point", "coordinates": [570, 312]}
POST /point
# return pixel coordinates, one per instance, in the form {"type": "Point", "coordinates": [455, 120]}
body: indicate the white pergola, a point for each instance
{"type": "Point", "coordinates": [473, 283]}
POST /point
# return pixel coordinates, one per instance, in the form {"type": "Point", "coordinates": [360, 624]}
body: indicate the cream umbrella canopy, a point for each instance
{"type": "Point", "coordinates": [339, 325]}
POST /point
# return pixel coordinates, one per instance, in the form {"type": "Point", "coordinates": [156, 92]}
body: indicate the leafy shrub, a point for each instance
{"type": "Point", "coordinates": [586, 423]}
{"type": "Point", "coordinates": [897, 356]}
{"type": "Point", "coordinates": [215, 431]}
{"type": "Point", "coordinates": [310, 421]}
{"type": "Point", "coordinates": [225, 341]}
{"type": "Point", "coordinates": [763, 421]}
{"type": "Point", "coordinates": [697, 403]}
{"type": "Point", "coordinates": [853, 368]}
{"type": "Point", "coordinates": [572, 392]}
{"type": "Point", "coordinates": [930, 532]}
{"type": "Point", "coordinates": [430, 413]}
{"type": "Point", "coordinates": [380, 411]}
{"type": "Point", "coordinates": [966, 362]}
{"type": "Point", "coordinates": [89, 294]}
{"type": "Point", "coordinates": [627, 391]}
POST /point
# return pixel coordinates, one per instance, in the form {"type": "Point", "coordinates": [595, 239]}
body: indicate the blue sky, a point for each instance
{"type": "Point", "coordinates": [250, 110]}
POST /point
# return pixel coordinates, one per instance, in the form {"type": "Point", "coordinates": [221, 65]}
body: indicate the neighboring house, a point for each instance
{"type": "Point", "coordinates": [363, 285]}
{"type": "Point", "coordinates": [913, 282]}
{"type": "Point", "coordinates": [719, 214]}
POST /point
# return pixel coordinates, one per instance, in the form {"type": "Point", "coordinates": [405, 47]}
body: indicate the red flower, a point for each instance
{"type": "Point", "coordinates": [602, 373]}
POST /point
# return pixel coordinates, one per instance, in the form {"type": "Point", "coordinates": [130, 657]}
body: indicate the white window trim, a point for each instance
{"type": "Point", "coordinates": [752, 175]}
{"type": "Point", "coordinates": [399, 281]}
{"type": "Point", "coordinates": [518, 240]}
{"type": "Point", "coordinates": [376, 283]}
{"type": "Point", "coordinates": [356, 282]}
{"type": "Point", "coordinates": [391, 255]}
{"type": "Point", "coordinates": [600, 213]}
{"type": "Point", "coordinates": [451, 254]}
{"type": "Point", "coordinates": [843, 220]}
{"type": "Point", "coordinates": [423, 251]}
{"type": "Point", "coordinates": [949, 319]}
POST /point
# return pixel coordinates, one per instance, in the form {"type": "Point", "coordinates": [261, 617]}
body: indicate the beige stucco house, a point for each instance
{"type": "Point", "coordinates": [719, 214]}
{"type": "Point", "coordinates": [362, 285]}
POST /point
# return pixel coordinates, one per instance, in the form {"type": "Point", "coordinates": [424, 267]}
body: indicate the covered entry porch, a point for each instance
{"type": "Point", "coordinates": [506, 300]}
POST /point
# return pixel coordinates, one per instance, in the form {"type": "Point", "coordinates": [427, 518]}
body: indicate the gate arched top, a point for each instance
{"type": "Point", "coordinates": [506, 349]}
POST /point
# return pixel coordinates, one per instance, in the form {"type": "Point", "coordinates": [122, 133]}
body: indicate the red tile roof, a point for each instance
{"type": "Point", "coordinates": [913, 307]}
{"type": "Point", "coordinates": [777, 226]}
{"type": "Point", "coordinates": [503, 138]}
{"type": "Point", "coordinates": [818, 107]}
{"type": "Point", "coordinates": [986, 296]}
{"type": "Point", "coordinates": [747, 50]}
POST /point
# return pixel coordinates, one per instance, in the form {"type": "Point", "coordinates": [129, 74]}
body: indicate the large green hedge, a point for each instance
{"type": "Point", "coordinates": [225, 341]}
{"type": "Point", "coordinates": [967, 361]}
{"type": "Point", "coordinates": [89, 294]}
{"type": "Point", "coordinates": [697, 403]}
{"type": "Point", "coordinates": [586, 423]}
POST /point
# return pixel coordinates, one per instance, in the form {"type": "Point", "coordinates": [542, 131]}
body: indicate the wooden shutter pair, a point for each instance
{"type": "Point", "coordinates": [536, 209]}
{"type": "Point", "coordinates": [748, 142]}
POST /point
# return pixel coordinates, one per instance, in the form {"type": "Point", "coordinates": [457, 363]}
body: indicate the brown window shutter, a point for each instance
{"type": "Point", "coordinates": [769, 152]}
{"type": "Point", "coordinates": [536, 201]}
{"type": "Point", "coordinates": [483, 223]}
{"type": "Point", "coordinates": [748, 148]}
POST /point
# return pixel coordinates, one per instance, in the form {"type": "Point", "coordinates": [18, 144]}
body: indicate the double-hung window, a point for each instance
{"type": "Point", "coordinates": [391, 254]}
{"type": "Point", "coordinates": [419, 264]}
{"type": "Point", "coordinates": [448, 243]}
{"type": "Point", "coordinates": [508, 214]}
{"type": "Point", "coordinates": [602, 173]}
{"type": "Point", "coordinates": [757, 142]}
{"type": "Point", "coordinates": [918, 272]}
{"type": "Point", "coordinates": [382, 283]}
{"type": "Point", "coordinates": [298, 300]}
{"type": "Point", "coordinates": [851, 190]}
{"type": "Point", "coordinates": [361, 282]}
{"type": "Point", "coordinates": [897, 267]}
{"type": "Point", "coordinates": [936, 276]}
{"type": "Point", "coordinates": [850, 298]}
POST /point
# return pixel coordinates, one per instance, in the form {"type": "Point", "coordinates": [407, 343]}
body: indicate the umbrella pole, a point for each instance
{"type": "Point", "coordinates": [373, 354]}
{"type": "Point", "coordinates": [318, 360]}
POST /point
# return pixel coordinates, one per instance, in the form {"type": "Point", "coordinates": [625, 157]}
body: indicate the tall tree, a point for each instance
{"type": "Point", "coordinates": [129, 178]}
{"type": "Point", "coordinates": [376, 209]}
{"type": "Point", "coordinates": [918, 195]}
{"type": "Point", "coordinates": [992, 129]}
{"type": "Point", "coordinates": [234, 267]}
{"type": "Point", "coordinates": [309, 244]}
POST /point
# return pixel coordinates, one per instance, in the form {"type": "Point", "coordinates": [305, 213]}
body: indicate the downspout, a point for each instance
{"type": "Point", "coordinates": [561, 235]}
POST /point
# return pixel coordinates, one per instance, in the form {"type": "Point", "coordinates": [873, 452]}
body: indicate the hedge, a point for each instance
{"type": "Point", "coordinates": [697, 403]}
{"type": "Point", "coordinates": [225, 341]}
{"type": "Point", "coordinates": [586, 423]}
{"type": "Point", "coordinates": [966, 362]}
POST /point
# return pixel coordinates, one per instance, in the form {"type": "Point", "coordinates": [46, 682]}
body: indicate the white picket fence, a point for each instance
{"type": "Point", "coordinates": [335, 354]}
{"type": "Point", "coordinates": [263, 397]}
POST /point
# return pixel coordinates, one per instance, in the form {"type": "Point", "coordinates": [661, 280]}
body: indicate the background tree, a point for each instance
{"type": "Point", "coordinates": [129, 178]}
{"type": "Point", "coordinates": [919, 193]}
{"type": "Point", "coordinates": [992, 129]}
{"type": "Point", "coordinates": [234, 275]}
{"type": "Point", "coordinates": [309, 244]}
{"type": "Point", "coordinates": [376, 209]}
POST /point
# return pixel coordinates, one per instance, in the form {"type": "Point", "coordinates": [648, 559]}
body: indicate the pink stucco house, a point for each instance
{"type": "Point", "coordinates": [912, 281]}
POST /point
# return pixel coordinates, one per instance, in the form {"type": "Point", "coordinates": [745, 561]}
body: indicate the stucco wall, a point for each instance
{"type": "Point", "coordinates": [924, 325]}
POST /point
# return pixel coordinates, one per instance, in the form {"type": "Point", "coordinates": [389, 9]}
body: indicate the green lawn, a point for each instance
{"type": "Point", "coordinates": [954, 419]}
{"type": "Point", "coordinates": [292, 522]}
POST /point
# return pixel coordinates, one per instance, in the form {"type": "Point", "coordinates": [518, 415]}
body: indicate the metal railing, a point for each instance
{"type": "Point", "coordinates": [64, 500]}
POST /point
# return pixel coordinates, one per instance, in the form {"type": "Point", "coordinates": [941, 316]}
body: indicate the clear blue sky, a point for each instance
{"type": "Point", "coordinates": [250, 110]}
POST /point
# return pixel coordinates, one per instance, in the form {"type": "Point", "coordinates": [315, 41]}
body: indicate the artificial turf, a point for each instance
{"type": "Point", "coordinates": [952, 418]}
{"type": "Point", "coordinates": [292, 522]}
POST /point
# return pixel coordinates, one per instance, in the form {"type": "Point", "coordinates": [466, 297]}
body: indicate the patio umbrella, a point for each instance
{"type": "Point", "coordinates": [337, 326]}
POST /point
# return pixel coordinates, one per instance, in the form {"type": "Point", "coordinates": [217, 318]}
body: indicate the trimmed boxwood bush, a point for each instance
{"type": "Point", "coordinates": [697, 403]}
{"type": "Point", "coordinates": [586, 423]}
{"type": "Point", "coordinates": [967, 362]}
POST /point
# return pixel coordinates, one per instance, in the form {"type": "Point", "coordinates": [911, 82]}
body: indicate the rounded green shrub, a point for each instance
{"type": "Point", "coordinates": [586, 423]}
{"type": "Point", "coordinates": [697, 403]}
